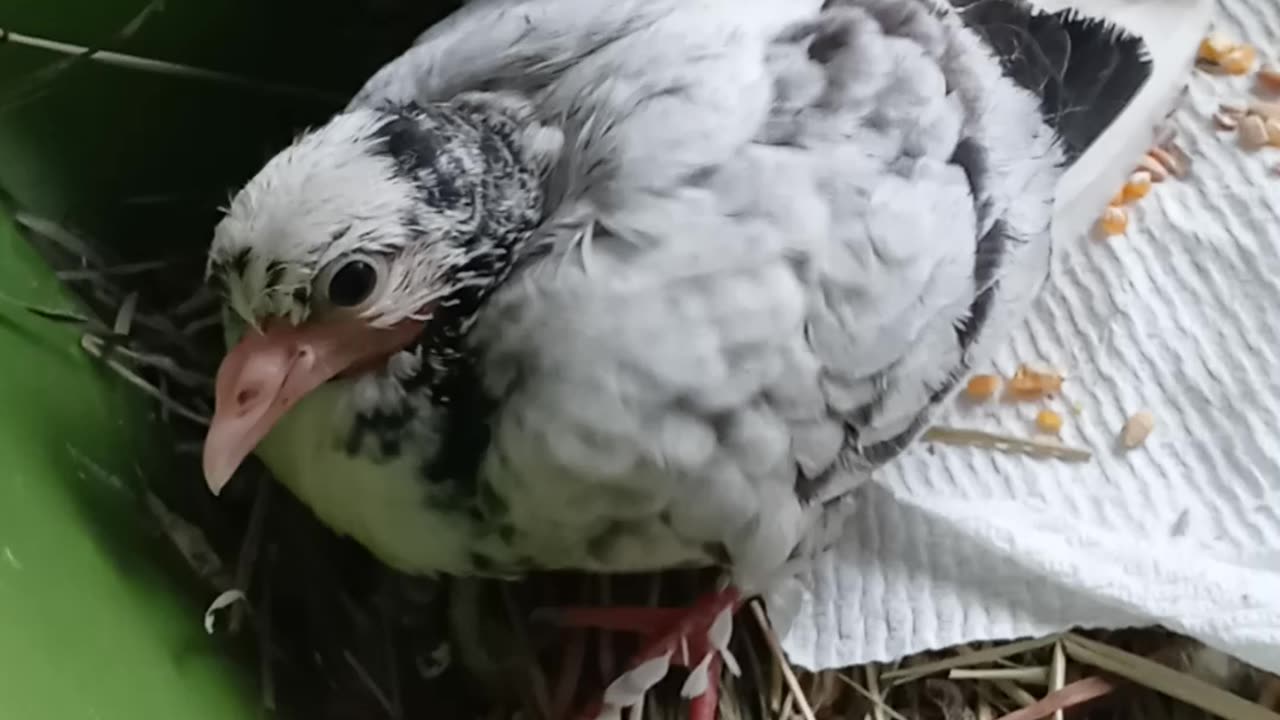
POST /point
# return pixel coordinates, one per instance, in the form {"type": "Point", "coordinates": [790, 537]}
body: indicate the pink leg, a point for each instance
{"type": "Point", "coordinates": [696, 637]}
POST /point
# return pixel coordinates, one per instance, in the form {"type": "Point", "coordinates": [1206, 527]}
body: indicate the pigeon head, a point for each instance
{"type": "Point", "coordinates": [365, 249]}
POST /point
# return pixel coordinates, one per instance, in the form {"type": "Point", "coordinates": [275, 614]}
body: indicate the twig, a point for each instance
{"type": "Point", "coordinates": [56, 233]}
{"type": "Point", "coordinates": [99, 273]}
{"type": "Point", "coordinates": [1076, 693]}
{"type": "Point", "coordinates": [1178, 685]}
{"type": "Point", "coordinates": [823, 691]}
{"type": "Point", "coordinates": [765, 689]}
{"type": "Point", "coordinates": [988, 694]}
{"type": "Point", "coordinates": [163, 363]}
{"type": "Point", "coordinates": [191, 543]}
{"type": "Point", "coordinates": [780, 657]}
{"type": "Point", "coordinates": [977, 657]}
{"type": "Point", "coordinates": [146, 387]}
{"type": "Point", "coordinates": [1057, 674]}
{"type": "Point", "coordinates": [1015, 693]}
{"type": "Point", "coordinates": [249, 547]}
{"type": "Point", "coordinates": [162, 383]}
{"type": "Point", "coordinates": [199, 300]}
{"type": "Point", "coordinates": [200, 323]}
{"type": "Point", "coordinates": [393, 675]}
{"type": "Point", "coordinates": [1031, 675]}
{"type": "Point", "coordinates": [160, 67]}
{"type": "Point", "coordinates": [962, 437]}
{"type": "Point", "coordinates": [878, 705]}
{"type": "Point", "coordinates": [775, 688]}
{"type": "Point", "coordinates": [46, 75]}
{"type": "Point", "coordinates": [367, 680]}
{"type": "Point", "coordinates": [873, 687]}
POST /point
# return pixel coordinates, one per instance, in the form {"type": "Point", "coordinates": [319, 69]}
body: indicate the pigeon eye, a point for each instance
{"type": "Point", "coordinates": [351, 282]}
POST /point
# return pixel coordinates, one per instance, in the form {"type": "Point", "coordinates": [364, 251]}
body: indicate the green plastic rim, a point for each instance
{"type": "Point", "coordinates": [98, 621]}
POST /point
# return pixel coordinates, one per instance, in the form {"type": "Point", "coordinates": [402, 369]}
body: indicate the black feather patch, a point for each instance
{"type": "Point", "coordinates": [987, 257]}
{"type": "Point", "coordinates": [412, 147]}
{"type": "Point", "coordinates": [1084, 70]}
{"type": "Point", "coordinates": [972, 159]}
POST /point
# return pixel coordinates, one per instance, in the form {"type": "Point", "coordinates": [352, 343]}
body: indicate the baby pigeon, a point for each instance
{"type": "Point", "coordinates": [629, 285]}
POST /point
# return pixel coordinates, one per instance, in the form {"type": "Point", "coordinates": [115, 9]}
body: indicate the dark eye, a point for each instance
{"type": "Point", "coordinates": [352, 283]}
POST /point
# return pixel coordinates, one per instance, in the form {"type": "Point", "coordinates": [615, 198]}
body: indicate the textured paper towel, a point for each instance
{"type": "Point", "coordinates": [1182, 317]}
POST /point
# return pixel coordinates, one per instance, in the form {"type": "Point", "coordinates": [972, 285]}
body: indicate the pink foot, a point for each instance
{"type": "Point", "coordinates": [696, 637]}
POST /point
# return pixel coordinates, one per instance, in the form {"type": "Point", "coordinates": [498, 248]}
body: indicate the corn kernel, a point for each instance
{"type": "Point", "coordinates": [1252, 132]}
{"type": "Point", "coordinates": [1028, 384]}
{"type": "Point", "coordinates": [1153, 167]}
{"type": "Point", "coordinates": [981, 387]}
{"type": "Point", "coordinates": [1138, 186]}
{"type": "Point", "coordinates": [1049, 421]}
{"type": "Point", "coordinates": [1239, 60]}
{"type": "Point", "coordinates": [1273, 133]}
{"type": "Point", "coordinates": [1137, 429]}
{"type": "Point", "coordinates": [1174, 160]}
{"type": "Point", "coordinates": [1267, 110]}
{"type": "Point", "coordinates": [1114, 221]}
{"type": "Point", "coordinates": [1269, 79]}
{"type": "Point", "coordinates": [1213, 47]}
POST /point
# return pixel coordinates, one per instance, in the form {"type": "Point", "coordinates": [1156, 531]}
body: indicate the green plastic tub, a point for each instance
{"type": "Point", "coordinates": [97, 619]}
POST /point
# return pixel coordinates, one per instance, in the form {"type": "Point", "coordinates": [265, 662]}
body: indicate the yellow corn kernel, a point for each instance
{"type": "Point", "coordinates": [1138, 186]}
{"type": "Point", "coordinates": [1049, 421]}
{"type": "Point", "coordinates": [1269, 79]}
{"type": "Point", "coordinates": [1239, 60]}
{"type": "Point", "coordinates": [1214, 47]}
{"type": "Point", "coordinates": [981, 387]}
{"type": "Point", "coordinates": [1028, 384]}
{"type": "Point", "coordinates": [1114, 221]}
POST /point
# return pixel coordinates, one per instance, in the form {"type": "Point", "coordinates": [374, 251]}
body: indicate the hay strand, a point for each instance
{"type": "Point", "coordinates": [789, 675]}
{"type": "Point", "coordinates": [963, 437]}
{"type": "Point", "coordinates": [977, 657]}
{"type": "Point", "coordinates": [1182, 686]}
{"type": "Point", "coordinates": [1055, 702]}
{"type": "Point", "coordinates": [160, 67]}
{"type": "Point", "coordinates": [878, 706]}
{"type": "Point", "coordinates": [1027, 675]}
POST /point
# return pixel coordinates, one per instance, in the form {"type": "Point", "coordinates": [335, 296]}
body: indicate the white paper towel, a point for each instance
{"type": "Point", "coordinates": [1181, 317]}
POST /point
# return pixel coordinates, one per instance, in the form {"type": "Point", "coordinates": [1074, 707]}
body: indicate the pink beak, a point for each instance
{"type": "Point", "coordinates": [269, 372]}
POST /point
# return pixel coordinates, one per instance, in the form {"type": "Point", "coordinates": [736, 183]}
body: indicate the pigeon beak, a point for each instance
{"type": "Point", "coordinates": [268, 372]}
